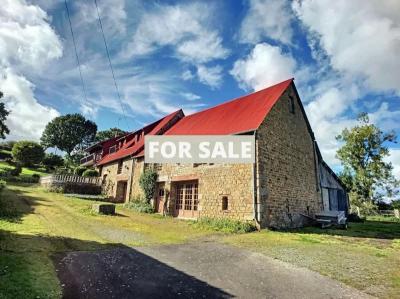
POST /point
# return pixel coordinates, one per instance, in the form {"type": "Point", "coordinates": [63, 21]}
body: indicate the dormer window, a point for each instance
{"type": "Point", "coordinates": [112, 149]}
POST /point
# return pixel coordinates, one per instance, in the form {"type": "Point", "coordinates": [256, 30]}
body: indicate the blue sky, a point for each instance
{"type": "Point", "coordinates": [194, 54]}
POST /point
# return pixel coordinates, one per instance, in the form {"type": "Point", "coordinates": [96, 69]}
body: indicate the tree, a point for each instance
{"type": "Point", "coordinates": [148, 183]}
{"type": "Point", "coordinates": [27, 153]}
{"type": "Point", "coordinates": [365, 172]}
{"type": "Point", "coordinates": [51, 161]}
{"type": "Point", "coordinates": [107, 134]}
{"type": "Point", "coordinates": [3, 116]}
{"type": "Point", "coordinates": [69, 133]}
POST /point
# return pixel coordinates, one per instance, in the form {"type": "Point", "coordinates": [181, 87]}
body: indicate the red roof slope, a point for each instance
{"type": "Point", "coordinates": [236, 116]}
{"type": "Point", "coordinates": [136, 142]}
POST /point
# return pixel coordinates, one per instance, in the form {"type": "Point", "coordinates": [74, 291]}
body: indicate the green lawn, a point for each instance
{"type": "Point", "coordinates": [35, 224]}
{"type": "Point", "coordinates": [365, 256]}
{"type": "Point", "coordinates": [26, 172]}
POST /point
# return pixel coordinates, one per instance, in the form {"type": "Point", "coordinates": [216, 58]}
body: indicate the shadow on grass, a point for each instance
{"type": "Point", "coordinates": [88, 269]}
{"type": "Point", "coordinates": [368, 229]}
{"type": "Point", "coordinates": [35, 266]}
{"type": "Point", "coordinates": [15, 204]}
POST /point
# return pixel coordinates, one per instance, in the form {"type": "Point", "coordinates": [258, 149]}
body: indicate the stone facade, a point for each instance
{"type": "Point", "coordinates": [287, 177]}
{"type": "Point", "coordinates": [112, 179]}
{"type": "Point", "coordinates": [280, 190]}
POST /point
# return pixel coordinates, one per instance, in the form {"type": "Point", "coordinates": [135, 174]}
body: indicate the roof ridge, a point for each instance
{"type": "Point", "coordinates": [238, 98]}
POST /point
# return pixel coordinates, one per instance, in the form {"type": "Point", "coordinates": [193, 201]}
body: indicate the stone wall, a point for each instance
{"type": "Point", "coordinates": [286, 169]}
{"type": "Point", "coordinates": [110, 177]}
{"type": "Point", "coordinates": [214, 182]}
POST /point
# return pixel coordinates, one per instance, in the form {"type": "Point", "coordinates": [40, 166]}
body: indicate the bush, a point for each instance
{"type": "Point", "coordinates": [225, 225]}
{"type": "Point", "coordinates": [16, 171]}
{"type": "Point", "coordinates": [27, 153]}
{"type": "Point", "coordinates": [90, 173]}
{"type": "Point", "coordinates": [4, 154]}
{"type": "Point", "coordinates": [140, 205]}
{"type": "Point", "coordinates": [2, 185]}
{"type": "Point", "coordinates": [353, 217]}
{"type": "Point", "coordinates": [148, 183]}
{"type": "Point", "coordinates": [51, 161]}
{"type": "Point", "coordinates": [79, 170]}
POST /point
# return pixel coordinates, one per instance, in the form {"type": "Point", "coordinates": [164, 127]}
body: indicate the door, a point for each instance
{"type": "Point", "coordinates": [187, 202]}
{"type": "Point", "coordinates": [160, 199]}
{"type": "Point", "coordinates": [121, 191]}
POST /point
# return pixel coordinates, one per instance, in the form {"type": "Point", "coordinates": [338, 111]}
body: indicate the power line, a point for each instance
{"type": "Point", "coordinates": [111, 67]}
{"type": "Point", "coordinates": [76, 55]}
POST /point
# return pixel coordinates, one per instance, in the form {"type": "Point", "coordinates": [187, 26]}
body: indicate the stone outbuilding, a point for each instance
{"type": "Point", "coordinates": [288, 183]}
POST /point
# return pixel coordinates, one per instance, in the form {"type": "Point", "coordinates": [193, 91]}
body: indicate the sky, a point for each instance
{"type": "Point", "coordinates": [344, 56]}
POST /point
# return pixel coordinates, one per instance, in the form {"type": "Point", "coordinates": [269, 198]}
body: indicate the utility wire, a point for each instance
{"type": "Point", "coordinates": [76, 55]}
{"type": "Point", "coordinates": [111, 67]}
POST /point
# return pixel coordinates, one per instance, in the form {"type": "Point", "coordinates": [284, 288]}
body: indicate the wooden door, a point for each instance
{"type": "Point", "coordinates": [186, 202]}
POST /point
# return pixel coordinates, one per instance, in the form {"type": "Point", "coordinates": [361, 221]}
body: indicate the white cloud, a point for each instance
{"type": "Point", "coordinates": [394, 158]}
{"type": "Point", "coordinates": [361, 38]}
{"type": "Point", "coordinates": [26, 38]}
{"type": "Point", "coordinates": [27, 118]}
{"type": "Point", "coordinates": [211, 76]}
{"type": "Point", "coordinates": [267, 19]}
{"type": "Point", "coordinates": [264, 66]}
{"type": "Point", "coordinates": [187, 75]}
{"type": "Point", "coordinates": [186, 28]}
{"type": "Point", "coordinates": [112, 12]}
{"type": "Point", "coordinates": [190, 96]}
{"type": "Point", "coordinates": [27, 45]}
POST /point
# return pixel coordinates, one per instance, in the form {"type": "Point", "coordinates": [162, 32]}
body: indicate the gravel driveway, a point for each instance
{"type": "Point", "coordinates": [196, 270]}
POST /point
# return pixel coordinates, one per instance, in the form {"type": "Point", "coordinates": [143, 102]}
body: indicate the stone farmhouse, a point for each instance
{"type": "Point", "coordinates": [288, 183]}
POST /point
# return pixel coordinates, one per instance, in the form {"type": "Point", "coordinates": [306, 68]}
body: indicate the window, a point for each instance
{"type": "Point", "coordinates": [157, 166]}
{"type": "Point", "coordinates": [112, 149]}
{"type": "Point", "coordinates": [161, 192]}
{"type": "Point", "coordinates": [291, 104]}
{"type": "Point", "coordinates": [224, 203]}
{"type": "Point", "coordinates": [120, 163]}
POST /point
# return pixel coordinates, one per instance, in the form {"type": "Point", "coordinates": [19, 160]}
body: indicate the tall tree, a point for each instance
{"type": "Point", "coordinates": [363, 153]}
{"type": "Point", "coordinates": [107, 134]}
{"type": "Point", "coordinates": [71, 132]}
{"type": "Point", "coordinates": [3, 116]}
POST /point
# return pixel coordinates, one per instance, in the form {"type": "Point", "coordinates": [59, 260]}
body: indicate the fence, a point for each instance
{"type": "Point", "coordinates": [59, 179]}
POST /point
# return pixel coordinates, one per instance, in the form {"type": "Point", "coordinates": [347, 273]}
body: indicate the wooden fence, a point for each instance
{"type": "Point", "coordinates": [59, 179]}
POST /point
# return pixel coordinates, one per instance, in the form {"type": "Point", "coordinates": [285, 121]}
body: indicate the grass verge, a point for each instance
{"type": "Point", "coordinates": [366, 256]}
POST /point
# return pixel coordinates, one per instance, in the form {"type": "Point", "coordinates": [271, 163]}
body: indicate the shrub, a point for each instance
{"type": "Point", "coordinates": [28, 153]}
{"type": "Point", "coordinates": [79, 170]}
{"type": "Point", "coordinates": [51, 161]}
{"type": "Point", "coordinates": [148, 183]}
{"type": "Point", "coordinates": [90, 173]}
{"type": "Point", "coordinates": [140, 205]}
{"type": "Point", "coordinates": [225, 225]}
{"type": "Point", "coordinates": [4, 154]}
{"type": "Point", "coordinates": [2, 185]}
{"type": "Point", "coordinates": [16, 171]}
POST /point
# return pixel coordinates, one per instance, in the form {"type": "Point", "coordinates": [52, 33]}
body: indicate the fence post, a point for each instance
{"type": "Point", "coordinates": [396, 213]}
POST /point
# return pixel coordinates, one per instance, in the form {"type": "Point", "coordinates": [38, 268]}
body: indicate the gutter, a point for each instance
{"type": "Point", "coordinates": [256, 210]}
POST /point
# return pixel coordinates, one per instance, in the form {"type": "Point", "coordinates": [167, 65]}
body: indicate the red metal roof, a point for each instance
{"type": "Point", "coordinates": [236, 116]}
{"type": "Point", "coordinates": [135, 144]}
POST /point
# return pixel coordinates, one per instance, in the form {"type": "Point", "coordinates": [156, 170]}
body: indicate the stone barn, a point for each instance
{"type": "Point", "coordinates": [288, 183]}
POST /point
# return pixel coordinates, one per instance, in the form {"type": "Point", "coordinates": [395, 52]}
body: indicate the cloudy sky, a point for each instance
{"type": "Point", "coordinates": [343, 54]}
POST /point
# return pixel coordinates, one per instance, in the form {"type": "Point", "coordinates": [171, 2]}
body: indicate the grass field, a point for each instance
{"type": "Point", "coordinates": [27, 172]}
{"type": "Point", "coordinates": [365, 256]}
{"type": "Point", "coordinates": [35, 224]}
